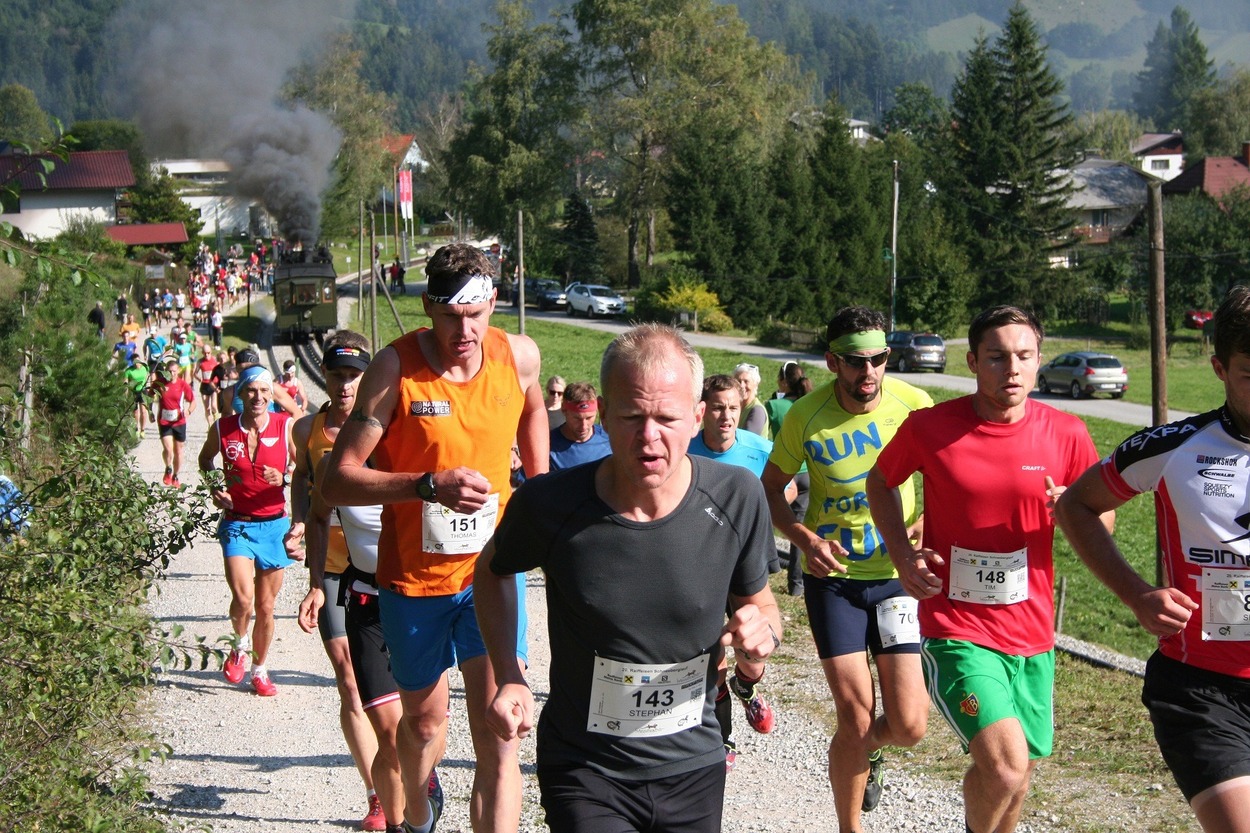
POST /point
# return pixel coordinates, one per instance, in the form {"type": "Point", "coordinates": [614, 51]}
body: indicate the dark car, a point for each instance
{"type": "Point", "coordinates": [1084, 374]}
{"type": "Point", "coordinates": [915, 351]}
{"type": "Point", "coordinates": [543, 293]}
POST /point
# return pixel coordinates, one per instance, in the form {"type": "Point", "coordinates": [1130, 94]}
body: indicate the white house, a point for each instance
{"type": "Point", "coordinates": [203, 185]}
{"type": "Point", "coordinates": [1160, 154]}
{"type": "Point", "coordinates": [90, 185]}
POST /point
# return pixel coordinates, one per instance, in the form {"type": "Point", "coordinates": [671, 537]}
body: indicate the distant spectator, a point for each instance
{"type": "Point", "coordinates": [96, 319]}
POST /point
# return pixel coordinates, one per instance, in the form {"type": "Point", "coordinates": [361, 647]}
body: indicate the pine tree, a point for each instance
{"type": "Point", "coordinates": [1013, 140]}
{"type": "Point", "coordinates": [1177, 69]}
{"type": "Point", "coordinates": [579, 239]}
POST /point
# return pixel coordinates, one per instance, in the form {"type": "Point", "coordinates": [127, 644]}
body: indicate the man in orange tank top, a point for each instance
{"type": "Point", "coordinates": [437, 412]}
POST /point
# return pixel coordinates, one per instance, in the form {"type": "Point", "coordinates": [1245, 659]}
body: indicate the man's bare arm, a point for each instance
{"type": "Point", "coordinates": [533, 433]}
{"type": "Point", "coordinates": [301, 432]}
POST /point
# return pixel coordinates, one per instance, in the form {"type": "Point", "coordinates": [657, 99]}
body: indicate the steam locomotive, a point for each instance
{"type": "Point", "coordinates": [305, 295]}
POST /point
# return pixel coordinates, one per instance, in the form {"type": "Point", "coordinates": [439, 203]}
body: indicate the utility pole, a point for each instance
{"type": "Point", "coordinates": [894, 251]}
{"type": "Point", "coordinates": [520, 269]}
{"type": "Point", "coordinates": [373, 276]}
{"type": "Point", "coordinates": [360, 267]}
{"type": "Point", "coordinates": [1158, 330]}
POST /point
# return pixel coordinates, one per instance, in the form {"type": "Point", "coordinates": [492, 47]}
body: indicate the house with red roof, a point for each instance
{"type": "Point", "coordinates": [90, 184]}
{"type": "Point", "coordinates": [149, 234]}
{"type": "Point", "coordinates": [1214, 176]}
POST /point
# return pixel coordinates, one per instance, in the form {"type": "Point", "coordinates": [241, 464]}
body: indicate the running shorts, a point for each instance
{"type": "Point", "coordinates": [178, 432]}
{"type": "Point", "coordinates": [844, 615]}
{"type": "Point", "coordinates": [260, 541]}
{"type": "Point", "coordinates": [973, 686]}
{"type": "Point", "coordinates": [330, 621]}
{"type": "Point", "coordinates": [429, 634]}
{"type": "Point", "coordinates": [1201, 720]}
{"type": "Point", "coordinates": [579, 800]}
{"type": "Point", "coordinates": [371, 661]}
{"type": "Point", "coordinates": [207, 389]}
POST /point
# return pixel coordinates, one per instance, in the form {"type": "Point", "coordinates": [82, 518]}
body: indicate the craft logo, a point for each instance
{"type": "Point", "coordinates": [423, 409]}
{"type": "Point", "coordinates": [970, 705]}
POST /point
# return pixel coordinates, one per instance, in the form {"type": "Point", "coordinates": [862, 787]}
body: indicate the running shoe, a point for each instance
{"type": "Point", "coordinates": [263, 686]}
{"type": "Point", "coordinates": [232, 669]}
{"type": "Point", "coordinates": [435, 793]}
{"type": "Point", "coordinates": [168, 479]}
{"type": "Point", "coordinates": [175, 482]}
{"type": "Point", "coordinates": [759, 713]}
{"type": "Point", "coordinates": [876, 782]}
{"type": "Point", "coordinates": [731, 756]}
{"type": "Point", "coordinates": [375, 819]}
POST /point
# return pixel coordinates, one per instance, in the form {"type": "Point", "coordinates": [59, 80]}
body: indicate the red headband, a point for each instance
{"type": "Point", "coordinates": [589, 406]}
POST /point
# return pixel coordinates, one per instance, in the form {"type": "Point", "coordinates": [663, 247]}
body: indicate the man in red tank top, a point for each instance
{"type": "Point", "coordinates": [258, 455]}
{"type": "Point", "coordinates": [438, 410]}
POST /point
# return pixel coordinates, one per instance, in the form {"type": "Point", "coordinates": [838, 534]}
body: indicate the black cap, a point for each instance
{"type": "Point", "coordinates": [343, 356]}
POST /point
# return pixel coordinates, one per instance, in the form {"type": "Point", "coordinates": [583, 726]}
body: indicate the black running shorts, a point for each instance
{"type": "Point", "coordinates": [843, 615]}
{"type": "Point", "coordinates": [582, 800]}
{"type": "Point", "coordinates": [1201, 721]}
{"type": "Point", "coordinates": [371, 660]}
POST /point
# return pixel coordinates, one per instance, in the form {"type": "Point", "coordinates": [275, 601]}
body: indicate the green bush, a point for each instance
{"type": "Point", "coordinates": [677, 290]}
{"type": "Point", "coordinates": [78, 647]}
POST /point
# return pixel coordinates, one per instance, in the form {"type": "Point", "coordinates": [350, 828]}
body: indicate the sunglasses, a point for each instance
{"type": "Point", "coordinates": [859, 362]}
{"type": "Point", "coordinates": [555, 392]}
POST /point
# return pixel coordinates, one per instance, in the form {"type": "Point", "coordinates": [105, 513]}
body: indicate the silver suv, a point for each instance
{"type": "Point", "coordinates": [591, 300]}
{"type": "Point", "coordinates": [915, 351]}
{"type": "Point", "coordinates": [1084, 374]}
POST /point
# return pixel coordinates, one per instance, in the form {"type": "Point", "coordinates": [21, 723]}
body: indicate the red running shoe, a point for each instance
{"type": "Point", "coordinates": [232, 669]}
{"type": "Point", "coordinates": [263, 686]}
{"type": "Point", "coordinates": [168, 479]}
{"type": "Point", "coordinates": [375, 819]}
{"type": "Point", "coordinates": [759, 713]}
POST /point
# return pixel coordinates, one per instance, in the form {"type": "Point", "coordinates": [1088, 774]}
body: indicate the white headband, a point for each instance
{"type": "Point", "coordinates": [477, 289]}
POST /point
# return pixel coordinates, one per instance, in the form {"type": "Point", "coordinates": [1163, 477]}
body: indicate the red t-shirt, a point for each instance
{"type": "Point", "coordinates": [245, 481]}
{"type": "Point", "coordinates": [206, 367]}
{"type": "Point", "coordinates": [985, 492]}
{"type": "Point", "coordinates": [170, 403]}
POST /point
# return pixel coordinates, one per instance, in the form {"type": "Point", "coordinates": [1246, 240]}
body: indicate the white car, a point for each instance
{"type": "Point", "coordinates": [592, 300]}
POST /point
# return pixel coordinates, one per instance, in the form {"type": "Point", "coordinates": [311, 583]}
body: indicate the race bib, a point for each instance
{"type": "Point", "coordinates": [451, 533]}
{"type": "Point", "coordinates": [1225, 605]}
{"type": "Point", "coordinates": [634, 700]}
{"type": "Point", "coordinates": [897, 622]}
{"type": "Point", "coordinates": [989, 578]}
{"type": "Point", "coordinates": [170, 414]}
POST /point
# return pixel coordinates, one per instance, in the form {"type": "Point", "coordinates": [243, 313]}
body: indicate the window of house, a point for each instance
{"type": "Point", "coordinates": [1160, 164]}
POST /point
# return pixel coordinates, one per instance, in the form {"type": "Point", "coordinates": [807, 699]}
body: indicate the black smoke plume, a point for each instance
{"type": "Point", "coordinates": [204, 79]}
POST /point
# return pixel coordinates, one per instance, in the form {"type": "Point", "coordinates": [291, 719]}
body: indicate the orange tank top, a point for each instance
{"type": "Point", "coordinates": [439, 424]}
{"type": "Point", "coordinates": [319, 445]}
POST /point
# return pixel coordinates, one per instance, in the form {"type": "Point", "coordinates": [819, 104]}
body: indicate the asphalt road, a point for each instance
{"type": "Point", "coordinates": [1117, 410]}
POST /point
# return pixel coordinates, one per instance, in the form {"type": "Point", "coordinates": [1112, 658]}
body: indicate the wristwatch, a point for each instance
{"type": "Point", "coordinates": [286, 479]}
{"type": "Point", "coordinates": [426, 490]}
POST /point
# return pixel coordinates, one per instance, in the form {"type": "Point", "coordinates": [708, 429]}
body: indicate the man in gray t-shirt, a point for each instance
{"type": "Point", "coordinates": [640, 552]}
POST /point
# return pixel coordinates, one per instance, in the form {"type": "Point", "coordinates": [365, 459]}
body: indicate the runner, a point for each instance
{"type": "Point", "coordinates": [854, 599]}
{"type": "Point", "coordinates": [257, 454]}
{"type": "Point", "coordinates": [206, 372]}
{"type": "Point", "coordinates": [441, 407]}
{"type": "Point", "coordinates": [984, 574]}
{"type": "Point", "coordinates": [640, 552]}
{"type": "Point", "coordinates": [343, 363]}
{"type": "Point", "coordinates": [579, 438]}
{"type": "Point", "coordinates": [175, 401]}
{"type": "Point", "coordinates": [1197, 686]}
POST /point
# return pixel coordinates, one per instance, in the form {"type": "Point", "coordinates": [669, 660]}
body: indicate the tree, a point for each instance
{"type": "Point", "coordinates": [115, 134]}
{"type": "Point", "coordinates": [917, 112]}
{"type": "Point", "coordinates": [334, 87]}
{"type": "Point", "coordinates": [1177, 68]}
{"type": "Point", "coordinates": [21, 118]}
{"type": "Point", "coordinates": [160, 202]}
{"type": "Point", "coordinates": [1219, 117]}
{"type": "Point", "coordinates": [512, 150]}
{"type": "Point", "coordinates": [1110, 132]}
{"type": "Point", "coordinates": [579, 242]}
{"type": "Point", "coordinates": [656, 67]}
{"type": "Point", "coordinates": [1011, 142]}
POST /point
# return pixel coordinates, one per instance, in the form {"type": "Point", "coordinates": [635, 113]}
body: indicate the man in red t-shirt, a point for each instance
{"type": "Point", "coordinates": [174, 402]}
{"type": "Point", "coordinates": [983, 572]}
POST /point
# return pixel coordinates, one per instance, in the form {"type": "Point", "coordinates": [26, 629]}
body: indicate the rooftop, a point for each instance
{"type": "Point", "coordinates": [85, 170]}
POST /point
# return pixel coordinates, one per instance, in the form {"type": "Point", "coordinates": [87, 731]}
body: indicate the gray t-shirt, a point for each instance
{"type": "Point", "coordinates": [647, 593]}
